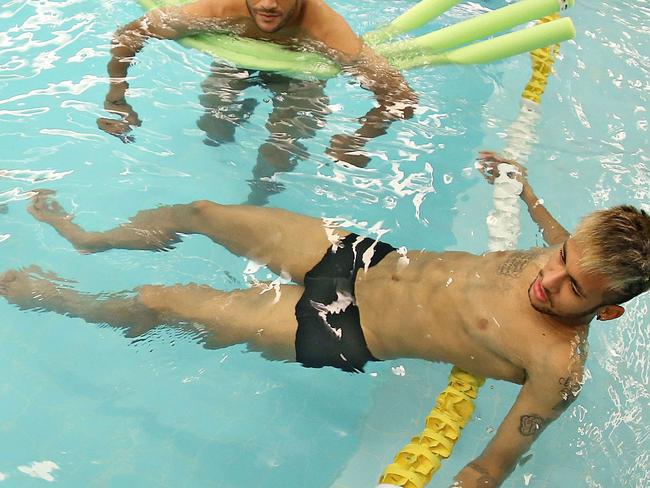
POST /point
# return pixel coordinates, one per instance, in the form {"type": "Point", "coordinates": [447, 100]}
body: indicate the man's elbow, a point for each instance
{"type": "Point", "coordinates": [130, 38]}
{"type": "Point", "coordinates": [133, 35]}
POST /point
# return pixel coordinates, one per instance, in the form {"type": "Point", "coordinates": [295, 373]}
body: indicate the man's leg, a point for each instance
{"type": "Point", "coordinates": [224, 111]}
{"type": "Point", "coordinates": [266, 322]}
{"type": "Point", "coordinates": [299, 110]}
{"type": "Point", "coordinates": [284, 241]}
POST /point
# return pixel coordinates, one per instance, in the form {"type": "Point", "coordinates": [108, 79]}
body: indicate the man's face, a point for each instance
{"type": "Point", "coordinates": [562, 289]}
{"type": "Point", "coordinates": [271, 15]}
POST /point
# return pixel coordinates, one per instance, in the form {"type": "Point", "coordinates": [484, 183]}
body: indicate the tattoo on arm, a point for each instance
{"type": "Point", "coordinates": [516, 262]}
{"type": "Point", "coordinates": [570, 389]}
{"type": "Point", "coordinates": [485, 481]}
{"type": "Point", "coordinates": [531, 424]}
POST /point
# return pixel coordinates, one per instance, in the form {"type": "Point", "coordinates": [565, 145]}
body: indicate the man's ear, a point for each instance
{"type": "Point", "coordinates": [609, 312]}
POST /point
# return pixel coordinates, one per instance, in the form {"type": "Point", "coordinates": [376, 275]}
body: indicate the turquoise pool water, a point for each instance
{"type": "Point", "coordinates": [83, 406]}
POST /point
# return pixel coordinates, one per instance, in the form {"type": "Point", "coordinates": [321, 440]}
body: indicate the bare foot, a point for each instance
{"type": "Point", "coordinates": [30, 288]}
{"type": "Point", "coordinates": [34, 289]}
{"type": "Point", "coordinates": [46, 209]}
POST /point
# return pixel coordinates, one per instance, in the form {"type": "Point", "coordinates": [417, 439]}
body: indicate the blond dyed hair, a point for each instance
{"type": "Point", "coordinates": [617, 245]}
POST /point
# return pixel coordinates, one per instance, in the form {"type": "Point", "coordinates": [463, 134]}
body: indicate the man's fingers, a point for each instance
{"type": "Point", "coordinates": [113, 126]}
{"type": "Point", "coordinates": [488, 170]}
{"type": "Point", "coordinates": [126, 139]}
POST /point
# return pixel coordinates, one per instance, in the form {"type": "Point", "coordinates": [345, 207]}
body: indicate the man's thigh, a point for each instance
{"type": "Point", "coordinates": [287, 242]}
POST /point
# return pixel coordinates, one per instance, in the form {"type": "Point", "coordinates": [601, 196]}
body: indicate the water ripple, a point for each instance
{"type": "Point", "coordinates": [33, 176]}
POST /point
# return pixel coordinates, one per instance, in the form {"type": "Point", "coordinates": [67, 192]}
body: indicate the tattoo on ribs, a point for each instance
{"type": "Point", "coordinates": [516, 262]}
{"type": "Point", "coordinates": [485, 481]}
{"type": "Point", "coordinates": [531, 425]}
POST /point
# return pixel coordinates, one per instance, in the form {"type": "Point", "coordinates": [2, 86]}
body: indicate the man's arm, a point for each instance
{"type": "Point", "coordinates": [552, 230]}
{"type": "Point", "coordinates": [168, 23]}
{"type": "Point", "coordinates": [395, 98]}
{"type": "Point", "coordinates": [541, 400]}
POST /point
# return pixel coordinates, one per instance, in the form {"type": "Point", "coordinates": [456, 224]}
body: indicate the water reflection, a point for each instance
{"type": "Point", "coordinates": [299, 109]}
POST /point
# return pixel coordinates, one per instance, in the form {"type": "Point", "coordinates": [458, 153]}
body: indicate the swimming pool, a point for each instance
{"type": "Point", "coordinates": [165, 412]}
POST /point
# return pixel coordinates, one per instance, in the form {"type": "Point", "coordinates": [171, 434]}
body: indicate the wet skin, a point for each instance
{"type": "Point", "coordinates": [520, 316]}
{"type": "Point", "coordinates": [304, 24]}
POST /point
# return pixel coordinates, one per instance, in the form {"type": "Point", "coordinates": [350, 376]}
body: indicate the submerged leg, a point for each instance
{"type": "Point", "coordinates": [33, 289]}
{"type": "Point", "coordinates": [284, 241]}
{"type": "Point", "coordinates": [224, 111]}
{"type": "Point", "coordinates": [299, 109]}
{"type": "Point", "coordinates": [265, 321]}
{"type": "Point", "coordinates": [262, 318]}
{"type": "Point", "coordinates": [154, 230]}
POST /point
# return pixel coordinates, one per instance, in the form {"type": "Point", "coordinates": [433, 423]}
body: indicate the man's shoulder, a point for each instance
{"type": "Point", "coordinates": [559, 376]}
{"type": "Point", "coordinates": [316, 14]}
{"type": "Point", "coordinates": [562, 358]}
{"type": "Point", "coordinates": [321, 19]}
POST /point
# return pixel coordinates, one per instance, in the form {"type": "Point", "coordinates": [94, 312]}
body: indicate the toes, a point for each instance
{"type": "Point", "coordinates": [6, 279]}
{"type": "Point", "coordinates": [38, 199]}
{"type": "Point", "coordinates": [55, 207]}
{"type": "Point", "coordinates": [43, 205]}
{"type": "Point", "coordinates": [41, 194]}
{"type": "Point", "coordinates": [8, 276]}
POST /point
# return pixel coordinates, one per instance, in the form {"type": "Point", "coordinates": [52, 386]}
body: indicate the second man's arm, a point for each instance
{"type": "Point", "coordinates": [395, 98]}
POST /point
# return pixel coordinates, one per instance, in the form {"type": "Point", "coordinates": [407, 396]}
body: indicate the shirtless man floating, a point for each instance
{"type": "Point", "coordinates": [357, 300]}
{"type": "Point", "coordinates": [299, 106]}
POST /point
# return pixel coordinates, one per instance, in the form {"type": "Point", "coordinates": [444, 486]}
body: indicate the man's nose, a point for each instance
{"type": "Point", "coordinates": [553, 278]}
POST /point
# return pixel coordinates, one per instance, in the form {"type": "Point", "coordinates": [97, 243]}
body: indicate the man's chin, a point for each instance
{"type": "Point", "coordinates": [269, 28]}
{"type": "Point", "coordinates": [537, 307]}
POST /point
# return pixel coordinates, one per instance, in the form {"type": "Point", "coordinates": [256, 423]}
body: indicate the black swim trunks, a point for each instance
{"type": "Point", "coordinates": [329, 329]}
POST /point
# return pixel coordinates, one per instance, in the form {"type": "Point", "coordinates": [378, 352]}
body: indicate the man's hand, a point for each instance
{"type": "Point", "coordinates": [552, 230]}
{"type": "Point", "coordinates": [167, 23]}
{"type": "Point", "coordinates": [488, 165]}
{"type": "Point", "coordinates": [116, 127]}
{"type": "Point", "coordinates": [348, 149]}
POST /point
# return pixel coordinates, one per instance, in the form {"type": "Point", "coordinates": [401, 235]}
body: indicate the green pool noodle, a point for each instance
{"type": "Point", "coordinates": [265, 56]}
{"type": "Point", "coordinates": [473, 29]}
{"type": "Point", "coordinates": [500, 47]}
{"type": "Point", "coordinates": [252, 53]}
{"type": "Point", "coordinates": [412, 19]}
{"type": "Point", "coordinates": [268, 56]}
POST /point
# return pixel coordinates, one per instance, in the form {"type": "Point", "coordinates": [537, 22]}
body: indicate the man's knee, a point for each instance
{"type": "Point", "coordinates": [202, 215]}
{"type": "Point", "coordinates": [149, 297]}
{"type": "Point", "coordinates": [200, 208]}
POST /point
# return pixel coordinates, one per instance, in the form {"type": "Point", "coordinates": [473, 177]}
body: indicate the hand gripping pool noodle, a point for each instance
{"type": "Point", "coordinates": [503, 221]}
{"type": "Point", "coordinates": [267, 56]}
{"type": "Point", "coordinates": [419, 460]}
{"type": "Point", "coordinates": [416, 463]}
{"type": "Point", "coordinates": [475, 28]}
